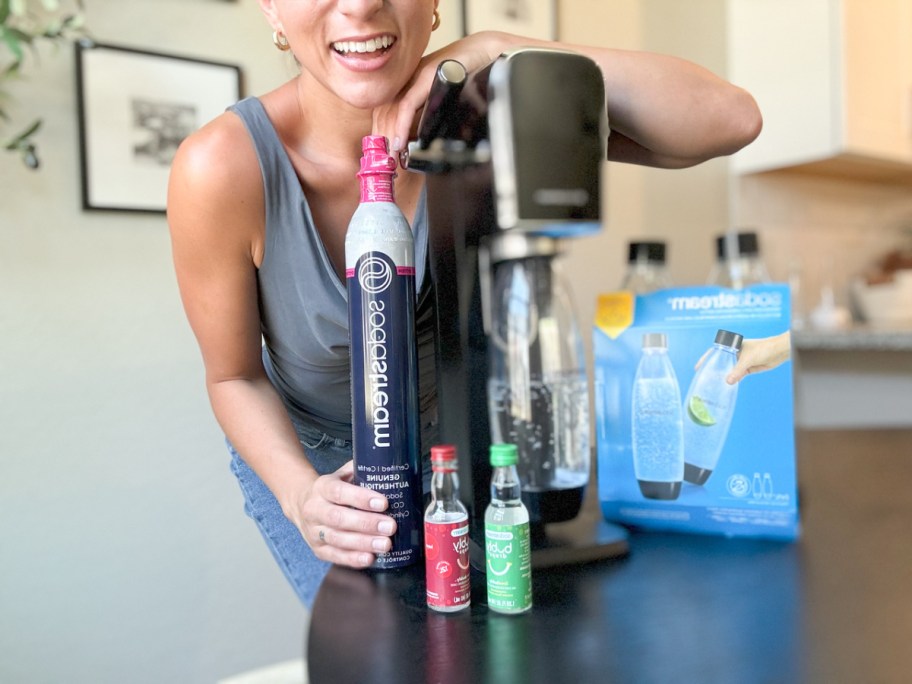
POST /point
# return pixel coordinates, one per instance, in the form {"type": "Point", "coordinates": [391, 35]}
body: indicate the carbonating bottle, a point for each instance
{"type": "Point", "coordinates": [538, 387]}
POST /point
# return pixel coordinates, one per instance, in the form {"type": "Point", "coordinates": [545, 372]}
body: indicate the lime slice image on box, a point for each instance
{"type": "Point", "coordinates": [699, 412]}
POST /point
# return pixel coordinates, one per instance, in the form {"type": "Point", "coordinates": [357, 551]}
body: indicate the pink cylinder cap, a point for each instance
{"type": "Point", "coordinates": [378, 169]}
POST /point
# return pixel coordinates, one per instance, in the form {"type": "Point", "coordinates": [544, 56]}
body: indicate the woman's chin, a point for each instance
{"type": "Point", "coordinates": [368, 97]}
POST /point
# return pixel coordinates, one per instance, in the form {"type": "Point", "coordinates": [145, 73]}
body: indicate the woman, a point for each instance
{"type": "Point", "coordinates": [259, 203]}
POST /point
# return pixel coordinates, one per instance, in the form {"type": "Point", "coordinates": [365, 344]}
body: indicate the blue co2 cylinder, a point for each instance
{"type": "Point", "coordinates": [380, 279]}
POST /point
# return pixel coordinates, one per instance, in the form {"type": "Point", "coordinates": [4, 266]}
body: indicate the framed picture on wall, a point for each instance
{"type": "Point", "coordinates": [135, 108]}
{"type": "Point", "coordinates": [533, 18]}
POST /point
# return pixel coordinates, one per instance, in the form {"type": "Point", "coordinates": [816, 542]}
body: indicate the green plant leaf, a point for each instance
{"type": "Point", "coordinates": [17, 142]}
{"type": "Point", "coordinates": [23, 25]}
{"type": "Point", "coordinates": [23, 144]}
{"type": "Point", "coordinates": [15, 39]}
{"type": "Point", "coordinates": [10, 71]}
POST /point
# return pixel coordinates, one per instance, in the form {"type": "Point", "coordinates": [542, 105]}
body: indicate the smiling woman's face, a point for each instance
{"type": "Point", "coordinates": [361, 51]}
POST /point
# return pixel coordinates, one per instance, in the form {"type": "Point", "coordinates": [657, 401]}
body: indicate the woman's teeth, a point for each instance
{"type": "Point", "coordinates": [348, 46]}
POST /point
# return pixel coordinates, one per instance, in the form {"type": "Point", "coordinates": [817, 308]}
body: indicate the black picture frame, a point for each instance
{"type": "Point", "coordinates": [135, 107]}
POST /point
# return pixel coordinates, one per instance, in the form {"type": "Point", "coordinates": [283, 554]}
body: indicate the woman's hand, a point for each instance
{"type": "Point", "coordinates": [342, 522]}
{"type": "Point", "coordinates": [758, 355]}
{"type": "Point", "coordinates": [398, 120]}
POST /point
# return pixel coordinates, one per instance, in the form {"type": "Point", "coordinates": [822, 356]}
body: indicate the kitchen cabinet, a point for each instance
{"type": "Point", "coordinates": [833, 79]}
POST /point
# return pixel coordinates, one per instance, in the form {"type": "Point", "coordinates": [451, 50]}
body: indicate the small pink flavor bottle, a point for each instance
{"type": "Point", "coordinates": [446, 536]}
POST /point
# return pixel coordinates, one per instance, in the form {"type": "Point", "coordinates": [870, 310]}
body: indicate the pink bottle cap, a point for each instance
{"type": "Point", "coordinates": [378, 169]}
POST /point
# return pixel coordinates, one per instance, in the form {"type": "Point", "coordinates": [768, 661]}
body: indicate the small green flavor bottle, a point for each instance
{"type": "Point", "coordinates": [508, 548]}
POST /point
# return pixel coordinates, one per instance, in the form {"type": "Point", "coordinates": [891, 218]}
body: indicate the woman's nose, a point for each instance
{"type": "Point", "coordinates": [359, 8]}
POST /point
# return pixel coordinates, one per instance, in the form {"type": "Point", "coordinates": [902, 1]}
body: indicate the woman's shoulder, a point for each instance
{"type": "Point", "coordinates": [215, 188]}
{"type": "Point", "coordinates": [219, 153]}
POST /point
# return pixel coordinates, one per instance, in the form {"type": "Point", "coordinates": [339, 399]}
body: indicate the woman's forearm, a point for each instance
{"type": "Point", "coordinates": [255, 421]}
{"type": "Point", "coordinates": [681, 113]}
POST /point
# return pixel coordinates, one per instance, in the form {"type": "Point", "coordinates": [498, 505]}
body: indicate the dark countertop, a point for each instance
{"type": "Point", "coordinates": [836, 606]}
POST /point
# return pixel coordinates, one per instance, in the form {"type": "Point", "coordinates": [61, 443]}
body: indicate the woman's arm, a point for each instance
{"type": "Point", "coordinates": [215, 204]}
{"type": "Point", "coordinates": [663, 111]}
{"type": "Point", "coordinates": [668, 112]}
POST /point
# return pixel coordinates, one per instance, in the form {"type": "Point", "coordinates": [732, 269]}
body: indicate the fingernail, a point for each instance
{"type": "Point", "coordinates": [397, 143]}
{"type": "Point", "coordinates": [386, 527]}
{"type": "Point", "coordinates": [377, 504]}
{"type": "Point", "coordinates": [380, 544]}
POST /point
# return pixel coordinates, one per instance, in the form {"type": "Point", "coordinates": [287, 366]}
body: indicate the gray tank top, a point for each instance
{"type": "Point", "coordinates": [304, 303]}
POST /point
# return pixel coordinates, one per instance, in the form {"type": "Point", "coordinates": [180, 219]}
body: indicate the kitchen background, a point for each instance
{"type": "Point", "coordinates": [124, 551]}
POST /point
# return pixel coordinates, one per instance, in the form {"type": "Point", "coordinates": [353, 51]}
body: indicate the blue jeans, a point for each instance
{"type": "Point", "coordinates": [302, 568]}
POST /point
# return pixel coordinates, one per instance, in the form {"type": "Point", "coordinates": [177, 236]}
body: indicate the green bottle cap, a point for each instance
{"type": "Point", "coordinates": [503, 455]}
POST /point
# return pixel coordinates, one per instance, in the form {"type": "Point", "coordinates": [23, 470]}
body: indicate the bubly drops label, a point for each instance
{"type": "Point", "coordinates": [446, 552]}
{"type": "Point", "coordinates": [508, 555]}
{"type": "Point", "coordinates": [385, 414]}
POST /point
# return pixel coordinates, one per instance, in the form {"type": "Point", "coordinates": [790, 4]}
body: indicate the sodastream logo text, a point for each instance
{"type": "Point", "coordinates": [727, 300]}
{"type": "Point", "coordinates": [375, 276]}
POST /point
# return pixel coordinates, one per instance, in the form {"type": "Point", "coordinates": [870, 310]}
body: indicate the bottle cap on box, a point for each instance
{"type": "Point", "coordinates": [653, 340]}
{"type": "Point", "coordinates": [729, 339]}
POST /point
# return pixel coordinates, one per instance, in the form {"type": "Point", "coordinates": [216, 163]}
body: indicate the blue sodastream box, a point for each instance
{"type": "Point", "coordinates": [680, 449]}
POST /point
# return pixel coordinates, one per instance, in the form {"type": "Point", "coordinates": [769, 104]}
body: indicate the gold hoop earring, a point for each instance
{"type": "Point", "coordinates": [280, 41]}
{"type": "Point", "coordinates": [436, 24]}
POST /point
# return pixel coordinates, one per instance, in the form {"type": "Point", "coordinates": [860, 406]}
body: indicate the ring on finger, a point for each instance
{"type": "Point", "coordinates": [322, 535]}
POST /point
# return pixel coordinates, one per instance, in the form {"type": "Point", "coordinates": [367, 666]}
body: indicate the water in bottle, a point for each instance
{"type": "Point", "coordinates": [657, 422]}
{"type": "Point", "coordinates": [538, 389]}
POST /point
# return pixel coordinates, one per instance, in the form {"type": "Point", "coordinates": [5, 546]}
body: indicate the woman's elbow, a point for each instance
{"type": "Point", "coordinates": [744, 121]}
{"type": "Point", "coordinates": [734, 123]}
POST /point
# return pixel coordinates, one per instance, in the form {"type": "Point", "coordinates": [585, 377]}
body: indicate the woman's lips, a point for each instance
{"type": "Point", "coordinates": [366, 54]}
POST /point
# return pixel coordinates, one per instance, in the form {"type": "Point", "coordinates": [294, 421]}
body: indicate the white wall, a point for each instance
{"type": "Point", "coordinates": [125, 555]}
{"type": "Point", "coordinates": [124, 552]}
{"type": "Point", "coordinates": [685, 207]}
